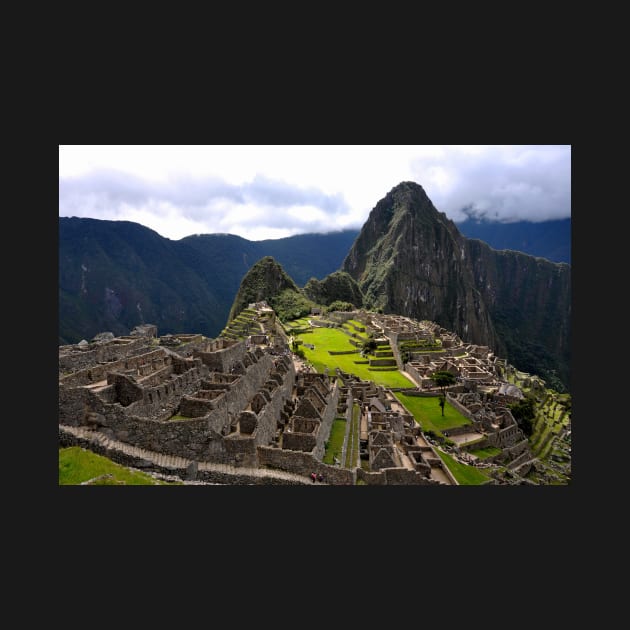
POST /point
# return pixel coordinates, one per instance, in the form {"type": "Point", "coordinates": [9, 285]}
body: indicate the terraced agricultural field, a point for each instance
{"type": "Point", "coordinates": [333, 339]}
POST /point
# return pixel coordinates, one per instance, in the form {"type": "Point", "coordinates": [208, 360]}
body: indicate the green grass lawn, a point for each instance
{"type": "Point", "coordinates": [325, 339]}
{"type": "Point", "coordinates": [465, 475]}
{"type": "Point", "coordinates": [77, 465]}
{"type": "Point", "coordinates": [428, 413]}
{"type": "Point", "coordinates": [335, 441]}
{"type": "Point", "coordinates": [483, 453]}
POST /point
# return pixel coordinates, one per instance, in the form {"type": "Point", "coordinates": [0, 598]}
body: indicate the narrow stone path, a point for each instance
{"type": "Point", "coordinates": [169, 463]}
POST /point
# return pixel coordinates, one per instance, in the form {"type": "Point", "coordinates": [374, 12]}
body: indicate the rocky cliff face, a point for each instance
{"type": "Point", "coordinates": [529, 301]}
{"type": "Point", "coordinates": [410, 259]}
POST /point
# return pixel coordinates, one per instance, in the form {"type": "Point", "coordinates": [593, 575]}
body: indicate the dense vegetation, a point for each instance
{"type": "Point", "coordinates": [524, 411]}
{"type": "Point", "coordinates": [266, 280]}
{"type": "Point", "coordinates": [336, 287]}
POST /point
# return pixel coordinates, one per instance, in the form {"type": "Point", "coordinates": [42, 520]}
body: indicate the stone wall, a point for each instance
{"type": "Point", "coordinates": [391, 362]}
{"type": "Point", "coordinates": [191, 439]}
{"type": "Point", "coordinates": [224, 358]}
{"type": "Point", "coordinates": [74, 405]}
{"type": "Point", "coordinates": [520, 459]}
{"type": "Point", "coordinates": [508, 436]}
{"type": "Point", "coordinates": [395, 476]}
{"type": "Point", "coordinates": [299, 441]}
{"type": "Point", "coordinates": [164, 399]}
{"type": "Point", "coordinates": [419, 394]}
{"type": "Point", "coordinates": [267, 420]}
{"type": "Point", "coordinates": [194, 407]}
{"type": "Point", "coordinates": [467, 428]}
{"type": "Point", "coordinates": [341, 317]}
{"type": "Point", "coordinates": [241, 391]}
{"type": "Point", "coordinates": [371, 478]}
{"type": "Point", "coordinates": [397, 357]}
{"type": "Point", "coordinates": [200, 438]}
{"type": "Point", "coordinates": [463, 410]}
{"type": "Point", "coordinates": [419, 375]}
{"type": "Point", "coordinates": [126, 388]}
{"type": "Point", "coordinates": [73, 360]}
{"type": "Point", "coordinates": [241, 450]}
{"type": "Point", "coordinates": [227, 476]}
{"type": "Point", "coordinates": [518, 453]}
{"type": "Point", "coordinates": [304, 464]}
{"type": "Point", "coordinates": [95, 373]}
{"type": "Point", "coordinates": [326, 421]}
{"type": "Point", "coordinates": [473, 446]}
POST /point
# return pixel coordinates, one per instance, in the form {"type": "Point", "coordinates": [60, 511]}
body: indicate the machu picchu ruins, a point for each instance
{"type": "Point", "coordinates": [248, 407]}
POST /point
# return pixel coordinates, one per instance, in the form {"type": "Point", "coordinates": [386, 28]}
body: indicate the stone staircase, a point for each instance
{"type": "Point", "coordinates": [134, 456]}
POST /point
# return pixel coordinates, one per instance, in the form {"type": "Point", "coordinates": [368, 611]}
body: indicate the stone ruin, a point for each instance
{"type": "Point", "coordinates": [206, 400]}
{"type": "Point", "coordinates": [243, 403]}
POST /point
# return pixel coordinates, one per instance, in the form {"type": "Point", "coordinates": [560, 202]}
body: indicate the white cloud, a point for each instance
{"type": "Point", "coordinates": [258, 191]}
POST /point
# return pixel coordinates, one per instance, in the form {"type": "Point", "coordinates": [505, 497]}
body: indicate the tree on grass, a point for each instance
{"type": "Point", "coordinates": [369, 346]}
{"type": "Point", "coordinates": [443, 378]}
{"type": "Point", "coordinates": [524, 411]}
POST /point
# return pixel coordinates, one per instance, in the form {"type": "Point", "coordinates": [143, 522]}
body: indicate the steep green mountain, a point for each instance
{"type": "Point", "coordinates": [114, 275]}
{"type": "Point", "coordinates": [412, 260]}
{"type": "Point", "coordinates": [547, 239]}
{"type": "Point", "coordinates": [268, 281]}
{"type": "Point", "coordinates": [336, 286]}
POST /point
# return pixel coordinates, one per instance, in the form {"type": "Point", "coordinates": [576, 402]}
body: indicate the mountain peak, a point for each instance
{"type": "Point", "coordinates": [405, 209]}
{"type": "Point", "coordinates": [265, 280]}
{"type": "Point", "coordinates": [407, 199]}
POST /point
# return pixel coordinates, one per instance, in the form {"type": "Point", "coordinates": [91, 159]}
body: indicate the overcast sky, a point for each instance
{"type": "Point", "coordinates": [261, 192]}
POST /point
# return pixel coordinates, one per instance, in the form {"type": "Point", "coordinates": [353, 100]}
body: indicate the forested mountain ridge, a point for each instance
{"type": "Point", "coordinates": [114, 275]}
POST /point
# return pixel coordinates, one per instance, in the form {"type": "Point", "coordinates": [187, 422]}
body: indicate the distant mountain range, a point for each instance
{"type": "Point", "coordinates": [114, 275]}
{"type": "Point", "coordinates": [547, 239]}
{"type": "Point", "coordinates": [408, 258]}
